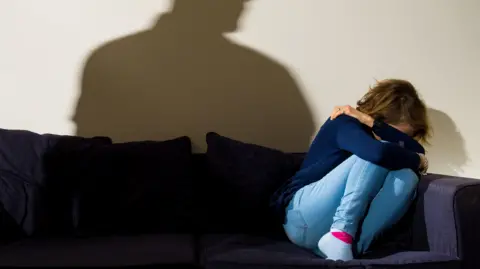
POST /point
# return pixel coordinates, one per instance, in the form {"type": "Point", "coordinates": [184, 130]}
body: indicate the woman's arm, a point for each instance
{"type": "Point", "coordinates": [381, 129]}
{"type": "Point", "coordinates": [392, 135]}
{"type": "Point", "coordinates": [352, 137]}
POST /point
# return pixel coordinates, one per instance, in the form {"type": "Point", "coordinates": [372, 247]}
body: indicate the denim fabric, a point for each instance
{"type": "Point", "coordinates": [358, 197]}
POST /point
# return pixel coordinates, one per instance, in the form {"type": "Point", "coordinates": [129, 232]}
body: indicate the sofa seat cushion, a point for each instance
{"type": "Point", "coordinates": [246, 251]}
{"type": "Point", "coordinates": [120, 251]}
{"type": "Point", "coordinates": [413, 260]}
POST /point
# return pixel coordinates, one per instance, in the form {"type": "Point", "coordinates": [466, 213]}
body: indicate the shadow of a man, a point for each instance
{"type": "Point", "coordinates": [184, 77]}
{"type": "Point", "coordinates": [447, 153]}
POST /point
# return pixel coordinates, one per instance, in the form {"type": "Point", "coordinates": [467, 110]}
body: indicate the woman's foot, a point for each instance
{"type": "Point", "coordinates": [336, 245]}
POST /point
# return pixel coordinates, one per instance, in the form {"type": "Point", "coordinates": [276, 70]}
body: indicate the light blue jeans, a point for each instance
{"type": "Point", "coordinates": [356, 196]}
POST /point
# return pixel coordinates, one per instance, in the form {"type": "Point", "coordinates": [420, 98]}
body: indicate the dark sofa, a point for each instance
{"type": "Point", "coordinates": [71, 201]}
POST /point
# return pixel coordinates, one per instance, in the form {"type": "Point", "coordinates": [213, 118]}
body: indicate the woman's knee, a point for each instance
{"type": "Point", "coordinates": [364, 162]}
{"type": "Point", "coordinates": [404, 181]}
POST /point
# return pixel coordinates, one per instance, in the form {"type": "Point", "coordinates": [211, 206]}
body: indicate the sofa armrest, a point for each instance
{"type": "Point", "coordinates": [446, 217]}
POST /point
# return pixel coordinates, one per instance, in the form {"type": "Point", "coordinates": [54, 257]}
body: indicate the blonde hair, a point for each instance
{"type": "Point", "coordinates": [396, 101]}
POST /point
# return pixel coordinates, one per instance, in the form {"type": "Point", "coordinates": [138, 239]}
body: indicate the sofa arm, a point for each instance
{"type": "Point", "coordinates": [447, 219]}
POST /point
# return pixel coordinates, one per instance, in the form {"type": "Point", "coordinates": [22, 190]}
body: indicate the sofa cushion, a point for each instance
{"type": "Point", "coordinates": [135, 187]}
{"type": "Point", "coordinates": [31, 166]}
{"type": "Point", "coordinates": [243, 176]}
{"type": "Point", "coordinates": [413, 260]}
{"type": "Point", "coordinates": [9, 229]}
{"type": "Point", "coordinates": [247, 251]}
{"type": "Point", "coordinates": [119, 251]}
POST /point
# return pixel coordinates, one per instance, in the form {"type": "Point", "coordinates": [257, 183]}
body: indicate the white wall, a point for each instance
{"type": "Point", "coordinates": [332, 49]}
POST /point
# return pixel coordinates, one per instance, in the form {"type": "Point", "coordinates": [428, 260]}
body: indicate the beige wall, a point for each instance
{"type": "Point", "coordinates": [113, 67]}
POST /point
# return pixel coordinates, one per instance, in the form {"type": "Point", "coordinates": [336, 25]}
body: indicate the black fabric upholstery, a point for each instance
{"type": "Point", "coordinates": [467, 202]}
{"type": "Point", "coordinates": [30, 166]}
{"type": "Point", "coordinates": [435, 229]}
{"type": "Point", "coordinates": [136, 187]}
{"type": "Point", "coordinates": [9, 229]}
{"type": "Point", "coordinates": [243, 177]}
{"type": "Point", "coordinates": [247, 251]}
{"type": "Point", "coordinates": [413, 260]}
{"type": "Point", "coordinates": [61, 165]}
{"type": "Point", "coordinates": [116, 251]}
{"type": "Point", "coordinates": [446, 217]}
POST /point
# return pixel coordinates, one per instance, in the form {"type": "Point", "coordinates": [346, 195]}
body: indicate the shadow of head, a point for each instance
{"type": "Point", "coordinates": [184, 77]}
{"type": "Point", "coordinates": [218, 16]}
{"type": "Point", "coordinates": [447, 153]}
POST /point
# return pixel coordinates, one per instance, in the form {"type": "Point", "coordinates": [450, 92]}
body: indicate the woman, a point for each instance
{"type": "Point", "coordinates": [360, 174]}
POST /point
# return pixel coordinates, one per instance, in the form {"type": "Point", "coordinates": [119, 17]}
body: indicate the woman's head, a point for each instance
{"type": "Point", "coordinates": [397, 103]}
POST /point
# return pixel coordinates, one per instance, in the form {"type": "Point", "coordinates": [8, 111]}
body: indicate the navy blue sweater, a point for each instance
{"type": "Point", "coordinates": [340, 138]}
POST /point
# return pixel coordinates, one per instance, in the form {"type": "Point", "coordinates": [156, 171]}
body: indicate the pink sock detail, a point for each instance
{"type": "Point", "coordinates": [343, 236]}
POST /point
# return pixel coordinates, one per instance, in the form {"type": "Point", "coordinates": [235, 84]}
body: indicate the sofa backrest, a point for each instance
{"type": "Point", "coordinates": [237, 183]}
{"type": "Point", "coordinates": [56, 185]}
{"type": "Point", "coordinates": [31, 178]}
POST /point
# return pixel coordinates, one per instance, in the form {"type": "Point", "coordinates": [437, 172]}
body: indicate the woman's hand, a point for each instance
{"type": "Point", "coordinates": [352, 112]}
{"type": "Point", "coordinates": [423, 164]}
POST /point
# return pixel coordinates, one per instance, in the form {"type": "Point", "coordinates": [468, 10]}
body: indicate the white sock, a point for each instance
{"type": "Point", "coordinates": [334, 248]}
